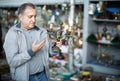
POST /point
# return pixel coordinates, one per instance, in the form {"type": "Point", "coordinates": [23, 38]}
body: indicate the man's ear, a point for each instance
{"type": "Point", "coordinates": [20, 17]}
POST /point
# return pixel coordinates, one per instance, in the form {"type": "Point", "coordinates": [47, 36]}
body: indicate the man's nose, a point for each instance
{"type": "Point", "coordinates": [34, 19]}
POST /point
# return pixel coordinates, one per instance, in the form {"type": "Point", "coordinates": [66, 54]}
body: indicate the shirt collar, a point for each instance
{"type": "Point", "coordinates": [19, 26]}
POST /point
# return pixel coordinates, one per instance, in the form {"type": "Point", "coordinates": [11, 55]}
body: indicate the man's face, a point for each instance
{"type": "Point", "coordinates": [28, 18]}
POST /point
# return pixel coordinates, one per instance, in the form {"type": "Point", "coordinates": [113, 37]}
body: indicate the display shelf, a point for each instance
{"type": "Point", "coordinates": [103, 43]}
{"type": "Point", "coordinates": [106, 20]}
{"type": "Point", "coordinates": [101, 25]}
{"type": "Point", "coordinates": [94, 62]}
{"type": "Point", "coordinates": [103, 69]}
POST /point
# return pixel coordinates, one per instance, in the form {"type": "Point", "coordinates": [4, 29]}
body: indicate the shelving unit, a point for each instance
{"type": "Point", "coordinates": [106, 20]}
{"type": "Point", "coordinates": [96, 48]}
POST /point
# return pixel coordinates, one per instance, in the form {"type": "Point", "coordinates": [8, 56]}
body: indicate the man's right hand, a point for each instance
{"type": "Point", "coordinates": [37, 47]}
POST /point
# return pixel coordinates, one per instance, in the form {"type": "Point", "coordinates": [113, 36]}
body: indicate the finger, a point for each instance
{"type": "Point", "coordinates": [34, 42]}
{"type": "Point", "coordinates": [42, 44]}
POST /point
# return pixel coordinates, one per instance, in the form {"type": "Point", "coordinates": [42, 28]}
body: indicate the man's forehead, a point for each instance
{"type": "Point", "coordinates": [30, 10]}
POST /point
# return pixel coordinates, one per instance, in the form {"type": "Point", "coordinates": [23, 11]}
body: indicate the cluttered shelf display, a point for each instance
{"type": "Point", "coordinates": [105, 34]}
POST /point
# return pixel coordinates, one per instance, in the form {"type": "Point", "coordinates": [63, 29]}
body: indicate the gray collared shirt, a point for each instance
{"type": "Point", "coordinates": [36, 64]}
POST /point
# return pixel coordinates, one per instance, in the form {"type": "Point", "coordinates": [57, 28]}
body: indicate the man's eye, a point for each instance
{"type": "Point", "coordinates": [29, 16]}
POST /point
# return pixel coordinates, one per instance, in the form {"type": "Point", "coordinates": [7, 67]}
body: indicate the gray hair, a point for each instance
{"type": "Point", "coordinates": [22, 8]}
